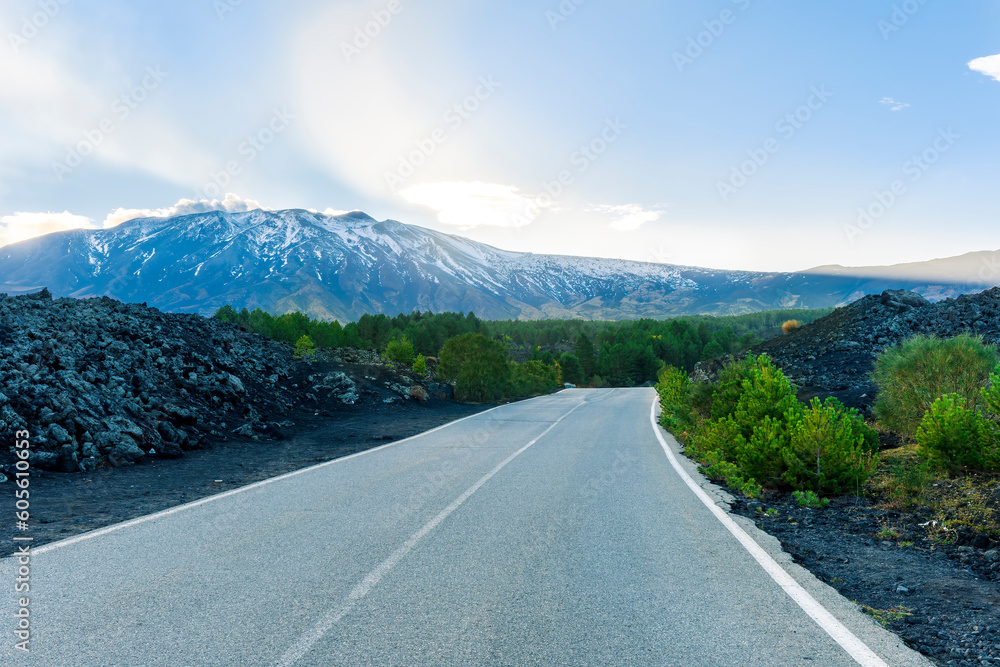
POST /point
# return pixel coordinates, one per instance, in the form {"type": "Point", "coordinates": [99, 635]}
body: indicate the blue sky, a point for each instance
{"type": "Point", "coordinates": [729, 133]}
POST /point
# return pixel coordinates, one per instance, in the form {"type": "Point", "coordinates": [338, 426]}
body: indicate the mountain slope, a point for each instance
{"type": "Point", "coordinates": [344, 266]}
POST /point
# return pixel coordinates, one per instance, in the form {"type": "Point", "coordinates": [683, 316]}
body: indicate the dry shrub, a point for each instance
{"type": "Point", "coordinates": [790, 326]}
{"type": "Point", "coordinates": [418, 392]}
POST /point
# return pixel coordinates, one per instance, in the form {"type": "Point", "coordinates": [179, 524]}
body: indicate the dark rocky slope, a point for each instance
{"type": "Point", "coordinates": [835, 355]}
{"type": "Point", "coordinates": [98, 382]}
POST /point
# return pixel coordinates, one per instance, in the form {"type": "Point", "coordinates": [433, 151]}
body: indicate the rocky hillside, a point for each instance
{"type": "Point", "coordinates": [835, 355]}
{"type": "Point", "coordinates": [99, 382]}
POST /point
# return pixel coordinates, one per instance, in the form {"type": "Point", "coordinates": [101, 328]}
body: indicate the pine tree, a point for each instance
{"type": "Point", "coordinates": [584, 351]}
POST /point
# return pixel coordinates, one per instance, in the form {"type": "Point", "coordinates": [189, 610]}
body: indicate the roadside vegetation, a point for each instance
{"type": "Point", "coordinates": [750, 431]}
{"type": "Point", "coordinates": [938, 404]}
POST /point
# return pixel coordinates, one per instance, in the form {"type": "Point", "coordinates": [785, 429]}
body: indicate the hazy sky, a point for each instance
{"type": "Point", "coordinates": [725, 133]}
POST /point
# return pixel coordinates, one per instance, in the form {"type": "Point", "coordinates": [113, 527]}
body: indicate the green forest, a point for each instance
{"type": "Point", "coordinates": [581, 352]}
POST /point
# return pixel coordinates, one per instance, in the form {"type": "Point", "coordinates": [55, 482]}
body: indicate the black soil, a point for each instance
{"type": "Point", "coordinates": [941, 599]}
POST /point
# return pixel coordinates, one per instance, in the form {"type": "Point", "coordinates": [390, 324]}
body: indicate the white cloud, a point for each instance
{"type": "Point", "coordinates": [895, 106]}
{"type": "Point", "coordinates": [988, 65]}
{"type": "Point", "coordinates": [23, 225]}
{"type": "Point", "coordinates": [628, 217]}
{"type": "Point", "coordinates": [476, 204]}
{"type": "Point", "coordinates": [231, 204]}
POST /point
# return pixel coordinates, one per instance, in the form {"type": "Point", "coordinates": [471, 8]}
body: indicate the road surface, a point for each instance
{"type": "Point", "coordinates": [554, 531]}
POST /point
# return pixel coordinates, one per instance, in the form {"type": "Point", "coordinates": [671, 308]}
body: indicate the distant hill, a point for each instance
{"type": "Point", "coordinates": [344, 266]}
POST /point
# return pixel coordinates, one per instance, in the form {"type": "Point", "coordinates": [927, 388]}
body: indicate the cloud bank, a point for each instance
{"type": "Point", "coordinates": [627, 217]}
{"type": "Point", "coordinates": [476, 204]}
{"type": "Point", "coordinates": [988, 65]}
{"type": "Point", "coordinates": [24, 225]}
{"type": "Point", "coordinates": [893, 104]}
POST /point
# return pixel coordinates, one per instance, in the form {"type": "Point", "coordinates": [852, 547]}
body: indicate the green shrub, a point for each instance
{"type": "Point", "coordinates": [718, 469]}
{"type": "Point", "coordinates": [810, 499]}
{"type": "Point", "coordinates": [304, 349]}
{"type": "Point", "coordinates": [531, 378]}
{"type": "Point", "coordinates": [751, 389]}
{"type": "Point", "coordinates": [766, 394]}
{"type": "Point", "coordinates": [759, 434]}
{"type": "Point", "coordinates": [674, 388]}
{"type": "Point", "coordinates": [952, 435]}
{"type": "Point", "coordinates": [913, 375]}
{"type": "Point", "coordinates": [400, 350]}
{"type": "Point", "coordinates": [572, 369]}
{"type": "Point", "coordinates": [701, 398]}
{"type": "Point", "coordinates": [716, 437]}
{"type": "Point", "coordinates": [827, 450]}
{"type": "Point", "coordinates": [991, 395]}
{"type": "Point", "coordinates": [477, 365]}
{"type": "Point", "coordinates": [674, 385]}
{"type": "Point", "coordinates": [760, 456]}
{"type": "Point", "coordinates": [420, 365]}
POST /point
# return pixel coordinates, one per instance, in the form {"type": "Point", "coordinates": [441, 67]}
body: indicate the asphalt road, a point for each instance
{"type": "Point", "coordinates": [554, 531]}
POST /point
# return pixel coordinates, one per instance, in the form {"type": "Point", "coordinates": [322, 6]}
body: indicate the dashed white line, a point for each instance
{"type": "Point", "coordinates": [370, 580]}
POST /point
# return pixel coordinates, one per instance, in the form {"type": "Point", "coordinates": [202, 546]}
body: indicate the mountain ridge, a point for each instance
{"type": "Point", "coordinates": [342, 266]}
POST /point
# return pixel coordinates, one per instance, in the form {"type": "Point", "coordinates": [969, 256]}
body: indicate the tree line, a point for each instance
{"type": "Point", "coordinates": [596, 353]}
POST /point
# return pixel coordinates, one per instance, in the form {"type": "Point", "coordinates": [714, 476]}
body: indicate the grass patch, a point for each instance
{"type": "Point", "coordinates": [887, 617]}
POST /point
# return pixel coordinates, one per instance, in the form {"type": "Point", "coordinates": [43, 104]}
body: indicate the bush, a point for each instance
{"type": "Point", "coordinates": [751, 389]}
{"type": "Point", "coordinates": [400, 350]}
{"type": "Point", "coordinates": [304, 349]}
{"type": "Point", "coordinates": [572, 369]}
{"type": "Point", "coordinates": [716, 437]}
{"type": "Point", "coordinates": [719, 469]}
{"type": "Point", "coordinates": [760, 434]}
{"type": "Point", "coordinates": [420, 365]}
{"type": "Point", "coordinates": [952, 435]}
{"type": "Point", "coordinates": [532, 378]}
{"type": "Point", "coordinates": [810, 499]}
{"type": "Point", "coordinates": [991, 395]}
{"type": "Point", "coordinates": [760, 455]}
{"type": "Point", "coordinates": [829, 450]}
{"type": "Point", "coordinates": [674, 388]}
{"type": "Point", "coordinates": [477, 365]}
{"type": "Point", "coordinates": [913, 375]}
{"type": "Point", "coordinates": [790, 326]}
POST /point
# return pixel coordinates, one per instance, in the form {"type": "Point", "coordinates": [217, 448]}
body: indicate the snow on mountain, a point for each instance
{"type": "Point", "coordinates": [346, 265]}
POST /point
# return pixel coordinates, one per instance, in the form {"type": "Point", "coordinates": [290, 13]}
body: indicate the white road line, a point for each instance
{"type": "Point", "coordinates": [331, 618]}
{"type": "Point", "coordinates": [203, 501]}
{"type": "Point", "coordinates": [817, 612]}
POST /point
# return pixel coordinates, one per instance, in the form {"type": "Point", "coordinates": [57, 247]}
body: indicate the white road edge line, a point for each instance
{"type": "Point", "coordinates": [226, 494]}
{"type": "Point", "coordinates": [817, 612]}
{"type": "Point", "coordinates": [332, 617]}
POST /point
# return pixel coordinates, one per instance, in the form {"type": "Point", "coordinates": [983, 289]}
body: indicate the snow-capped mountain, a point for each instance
{"type": "Point", "coordinates": [344, 266]}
